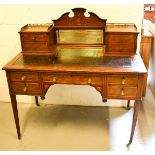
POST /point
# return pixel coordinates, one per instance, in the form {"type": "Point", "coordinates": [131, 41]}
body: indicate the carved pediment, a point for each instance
{"type": "Point", "coordinates": [79, 20]}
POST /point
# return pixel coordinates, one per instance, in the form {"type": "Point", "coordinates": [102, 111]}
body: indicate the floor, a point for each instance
{"type": "Point", "coordinates": [62, 127]}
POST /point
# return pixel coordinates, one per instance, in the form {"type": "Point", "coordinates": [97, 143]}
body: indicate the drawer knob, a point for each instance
{"type": "Point", "coordinates": [123, 80]}
{"type": "Point", "coordinates": [122, 91]}
{"type": "Point", "coordinates": [23, 77]}
{"type": "Point", "coordinates": [89, 81]}
{"type": "Point", "coordinates": [25, 89]}
{"type": "Point", "coordinates": [54, 79]}
{"type": "Point", "coordinates": [33, 38]}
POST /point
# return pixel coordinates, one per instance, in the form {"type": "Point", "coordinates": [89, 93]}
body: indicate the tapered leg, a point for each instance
{"type": "Point", "coordinates": [36, 99]}
{"type": "Point", "coordinates": [128, 105]}
{"type": "Point", "coordinates": [134, 120]}
{"type": "Point", "coordinates": [15, 113]}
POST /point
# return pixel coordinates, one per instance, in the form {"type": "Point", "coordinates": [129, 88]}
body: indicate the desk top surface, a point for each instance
{"type": "Point", "coordinates": [87, 60]}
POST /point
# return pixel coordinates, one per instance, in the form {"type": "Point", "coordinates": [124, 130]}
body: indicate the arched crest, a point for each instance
{"type": "Point", "coordinates": [79, 20]}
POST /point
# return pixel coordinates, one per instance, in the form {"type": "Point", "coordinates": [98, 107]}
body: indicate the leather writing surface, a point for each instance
{"type": "Point", "coordinates": [107, 61]}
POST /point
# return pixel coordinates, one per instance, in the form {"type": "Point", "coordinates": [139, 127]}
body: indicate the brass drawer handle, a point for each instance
{"type": "Point", "coordinates": [23, 77]}
{"type": "Point", "coordinates": [33, 38]}
{"type": "Point", "coordinates": [122, 92]}
{"type": "Point", "coordinates": [123, 80]}
{"type": "Point", "coordinates": [89, 80]}
{"type": "Point", "coordinates": [25, 89]}
{"type": "Point", "coordinates": [54, 79]}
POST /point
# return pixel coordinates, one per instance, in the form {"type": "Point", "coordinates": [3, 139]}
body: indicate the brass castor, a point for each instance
{"type": "Point", "coordinates": [104, 100]}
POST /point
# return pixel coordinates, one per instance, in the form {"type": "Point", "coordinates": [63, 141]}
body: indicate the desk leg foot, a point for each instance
{"type": "Point", "coordinates": [128, 105]}
{"type": "Point", "coordinates": [104, 100]}
{"type": "Point", "coordinates": [36, 99]}
{"type": "Point", "coordinates": [19, 136]}
{"type": "Point", "coordinates": [15, 113]}
{"type": "Point", "coordinates": [134, 120]}
{"type": "Point", "coordinates": [42, 97]}
{"type": "Point", "coordinates": [129, 143]}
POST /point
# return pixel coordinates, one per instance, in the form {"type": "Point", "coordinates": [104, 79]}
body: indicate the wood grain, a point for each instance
{"type": "Point", "coordinates": [112, 67]}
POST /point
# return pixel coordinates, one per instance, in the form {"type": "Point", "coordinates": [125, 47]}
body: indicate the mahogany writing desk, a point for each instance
{"type": "Point", "coordinates": [78, 50]}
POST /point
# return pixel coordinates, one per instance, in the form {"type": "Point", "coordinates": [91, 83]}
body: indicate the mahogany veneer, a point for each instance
{"type": "Point", "coordinates": [107, 62]}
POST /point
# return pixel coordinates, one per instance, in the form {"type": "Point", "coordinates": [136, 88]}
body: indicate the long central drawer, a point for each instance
{"type": "Point", "coordinates": [72, 78]}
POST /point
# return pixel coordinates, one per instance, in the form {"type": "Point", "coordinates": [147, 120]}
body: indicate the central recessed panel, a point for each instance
{"type": "Point", "coordinates": [79, 36]}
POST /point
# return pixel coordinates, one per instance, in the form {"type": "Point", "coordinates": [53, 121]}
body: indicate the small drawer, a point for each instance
{"type": "Point", "coordinates": [32, 37]}
{"type": "Point", "coordinates": [120, 48]}
{"type": "Point", "coordinates": [35, 46]}
{"type": "Point", "coordinates": [24, 76]}
{"type": "Point", "coordinates": [122, 79]}
{"type": "Point", "coordinates": [26, 88]}
{"type": "Point", "coordinates": [72, 79]}
{"type": "Point", "coordinates": [121, 92]}
{"type": "Point", "coordinates": [127, 39]}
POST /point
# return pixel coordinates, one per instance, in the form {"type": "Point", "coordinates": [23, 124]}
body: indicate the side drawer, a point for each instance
{"type": "Point", "coordinates": [35, 46]}
{"type": "Point", "coordinates": [122, 79]}
{"type": "Point", "coordinates": [24, 76]}
{"type": "Point", "coordinates": [120, 48]}
{"type": "Point", "coordinates": [121, 92]}
{"type": "Point", "coordinates": [31, 37]}
{"type": "Point", "coordinates": [26, 88]}
{"type": "Point", "coordinates": [127, 39]}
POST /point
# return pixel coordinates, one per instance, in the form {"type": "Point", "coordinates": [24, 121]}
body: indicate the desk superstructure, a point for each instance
{"type": "Point", "coordinates": [78, 50]}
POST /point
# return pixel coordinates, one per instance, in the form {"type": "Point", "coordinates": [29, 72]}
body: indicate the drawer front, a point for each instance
{"type": "Point", "coordinates": [121, 39]}
{"type": "Point", "coordinates": [26, 88]}
{"type": "Point", "coordinates": [35, 46]}
{"type": "Point", "coordinates": [120, 48]}
{"type": "Point", "coordinates": [72, 79]}
{"type": "Point", "coordinates": [32, 37]}
{"type": "Point", "coordinates": [24, 76]}
{"type": "Point", "coordinates": [122, 79]}
{"type": "Point", "coordinates": [121, 92]}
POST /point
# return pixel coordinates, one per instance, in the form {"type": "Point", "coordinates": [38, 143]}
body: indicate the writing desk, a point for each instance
{"type": "Point", "coordinates": [78, 50]}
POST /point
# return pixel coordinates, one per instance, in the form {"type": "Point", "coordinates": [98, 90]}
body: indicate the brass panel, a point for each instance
{"type": "Point", "coordinates": [80, 36]}
{"type": "Point", "coordinates": [79, 53]}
